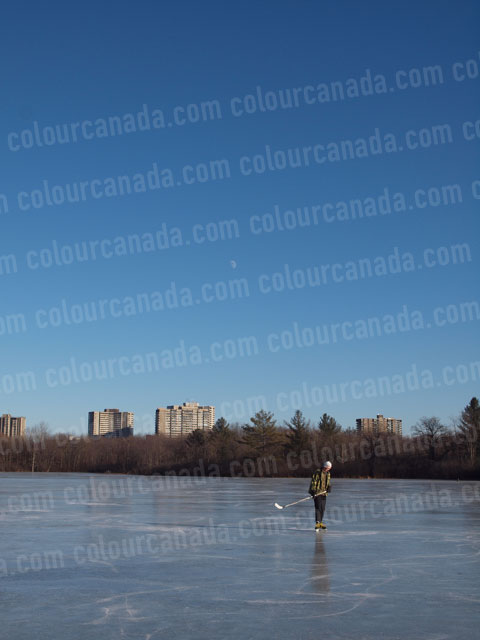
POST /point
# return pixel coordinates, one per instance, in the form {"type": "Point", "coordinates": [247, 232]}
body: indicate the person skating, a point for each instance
{"type": "Point", "coordinates": [320, 484]}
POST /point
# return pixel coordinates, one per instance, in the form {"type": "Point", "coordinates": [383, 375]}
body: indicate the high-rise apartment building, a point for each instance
{"type": "Point", "coordinates": [180, 420]}
{"type": "Point", "coordinates": [111, 423]}
{"type": "Point", "coordinates": [11, 427]}
{"type": "Point", "coordinates": [380, 424]}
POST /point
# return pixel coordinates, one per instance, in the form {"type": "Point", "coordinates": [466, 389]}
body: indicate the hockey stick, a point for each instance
{"type": "Point", "coordinates": [302, 500]}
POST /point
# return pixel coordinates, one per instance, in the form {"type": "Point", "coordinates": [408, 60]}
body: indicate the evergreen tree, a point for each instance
{"type": "Point", "coordinates": [298, 435]}
{"type": "Point", "coordinates": [221, 436]}
{"type": "Point", "coordinates": [195, 438]}
{"type": "Point", "coordinates": [470, 427]}
{"type": "Point", "coordinates": [221, 427]}
{"type": "Point", "coordinates": [262, 434]}
{"type": "Point", "coordinates": [328, 426]}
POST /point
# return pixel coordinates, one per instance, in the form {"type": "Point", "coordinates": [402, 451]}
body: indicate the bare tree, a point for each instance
{"type": "Point", "coordinates": [431, 431]}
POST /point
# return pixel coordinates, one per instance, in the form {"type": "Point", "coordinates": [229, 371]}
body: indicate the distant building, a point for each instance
{"type": "Point", "coordinates": [11, 427]}
{"type": "Point", "coordinates": [112, 423]}
{"type": "Point", "coordinates": [124, 432]}
{"type": "Point", "coordinates": [379, 425]}
{"type": "Point", "coordinates": [180, 420]}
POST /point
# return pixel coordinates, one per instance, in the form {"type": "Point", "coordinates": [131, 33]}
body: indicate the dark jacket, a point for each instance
{"type": "Point", "coordinates": [320, 482]}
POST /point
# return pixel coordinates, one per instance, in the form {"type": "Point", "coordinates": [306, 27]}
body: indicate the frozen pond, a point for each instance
{"type": "Point", "coordinates": [90, 556]}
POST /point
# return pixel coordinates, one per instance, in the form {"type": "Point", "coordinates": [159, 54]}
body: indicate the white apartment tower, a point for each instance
{"type": "Point", "coordinates": [11, 427]}
{"type": "Point", "coordinates": [380, 424]}
{"type": "Point", "coordinates": [180, 420]}
{"type": "Point", "coordinates": [110, 422]}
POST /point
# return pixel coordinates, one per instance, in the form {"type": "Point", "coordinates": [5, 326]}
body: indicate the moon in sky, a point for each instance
{"type": "Point", "coordinates": [233, 264]}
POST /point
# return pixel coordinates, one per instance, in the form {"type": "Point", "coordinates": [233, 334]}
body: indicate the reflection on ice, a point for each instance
{"type": "Point", "coordinates": [320, 577]}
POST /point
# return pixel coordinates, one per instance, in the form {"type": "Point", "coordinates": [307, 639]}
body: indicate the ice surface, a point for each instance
{"type": "Point", "coordinates": [400, 559]}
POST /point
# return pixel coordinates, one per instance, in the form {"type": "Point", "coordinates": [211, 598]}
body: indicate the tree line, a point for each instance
{"type": "Point", "coordinates": [262, 448]}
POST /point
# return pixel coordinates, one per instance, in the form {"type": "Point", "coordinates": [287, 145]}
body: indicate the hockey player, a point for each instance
{"type": "Point", "coordinates": [319, 487]}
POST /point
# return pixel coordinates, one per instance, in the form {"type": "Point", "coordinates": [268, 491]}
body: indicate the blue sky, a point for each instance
{"type": "Point", "coordinates": [65, 65]}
